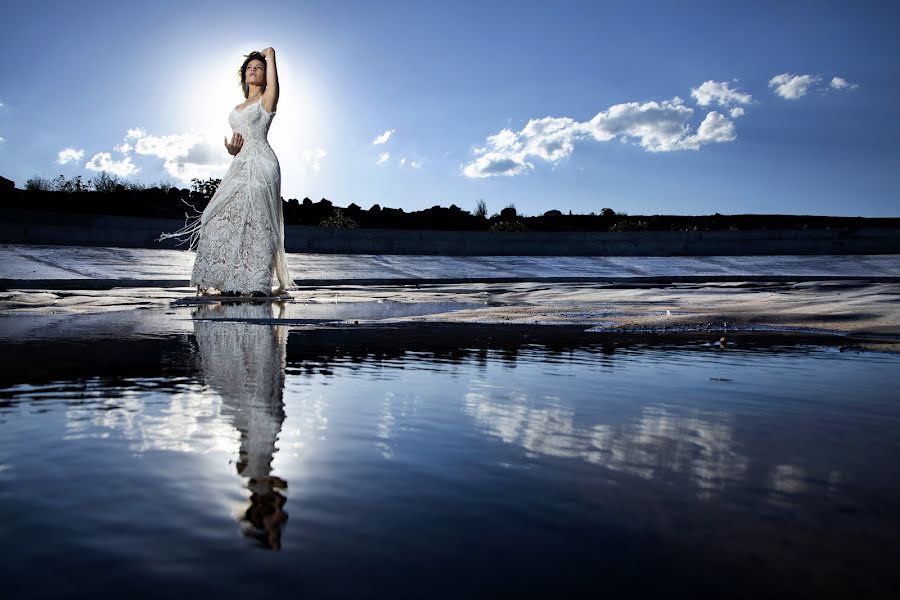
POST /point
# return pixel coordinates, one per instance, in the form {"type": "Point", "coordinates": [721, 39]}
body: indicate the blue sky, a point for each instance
{"type": "Point", "coordinates": [569, 105]}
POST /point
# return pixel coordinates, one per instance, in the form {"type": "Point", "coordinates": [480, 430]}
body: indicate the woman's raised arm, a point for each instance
{"type": "Point", "coordinates": [270, 96]}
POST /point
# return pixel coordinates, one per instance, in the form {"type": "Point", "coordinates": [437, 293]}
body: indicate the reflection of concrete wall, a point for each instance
{"type": "Point", "coordinates": [32, 227]}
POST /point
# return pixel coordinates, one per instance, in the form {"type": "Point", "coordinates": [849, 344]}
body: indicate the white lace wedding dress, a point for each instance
{"type": "Point", "coordinates": [239, 238]}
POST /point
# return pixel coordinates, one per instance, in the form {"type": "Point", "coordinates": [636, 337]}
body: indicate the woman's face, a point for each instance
{"type": "Point", "coordinates": [255, 72]}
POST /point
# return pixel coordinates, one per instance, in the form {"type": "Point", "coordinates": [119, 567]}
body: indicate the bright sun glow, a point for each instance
{"type": "Point", "coordinates": [213, 90]}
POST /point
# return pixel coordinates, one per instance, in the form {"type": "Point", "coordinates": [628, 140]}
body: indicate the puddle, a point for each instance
{"type": "Point", "coordinates": [519, 455]}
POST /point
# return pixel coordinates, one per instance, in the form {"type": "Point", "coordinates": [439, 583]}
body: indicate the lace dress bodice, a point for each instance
{"type": "Point", "coordinates": [240, 236]}
{"type": "Point", "coordinates": [253, 122]}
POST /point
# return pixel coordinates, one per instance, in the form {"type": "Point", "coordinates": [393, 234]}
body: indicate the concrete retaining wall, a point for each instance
{"type": "Point", "coordinates": [32, 227]}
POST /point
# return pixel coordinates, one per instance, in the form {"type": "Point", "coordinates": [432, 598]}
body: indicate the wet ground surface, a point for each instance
{"type": "Point", "coordinates": [844, 295]}
{"type": "Point", "coordinates": [865, 310]}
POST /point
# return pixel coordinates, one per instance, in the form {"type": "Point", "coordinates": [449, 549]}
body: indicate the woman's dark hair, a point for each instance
{"type": "Point", "coordinates": [243, 71]}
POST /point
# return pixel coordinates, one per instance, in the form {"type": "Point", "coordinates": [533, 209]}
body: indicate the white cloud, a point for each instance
{"type": "Point", "coordinates": [504, 140]}
{"type": "Point", "coordinates": [720, 93]}
{"type": "Point", "coordinates": [736, 112]}
{"type": "Point", "coordinates": [839, 83]}
{"type": "Point", "coordinates": [658, 127]}
{"type": "Point", "coordinates": [383, 157]}
{"type": "Point", "coordinates": [792, 87]}
{"type": "Point", "coordinates": [415, 165]}
{"type": "Point", "coordinates": [68, 155]}
{"type": "Point", "coordinates": [167, 147]}
{"type": "Point", "coordinates": [2, 140]}
{"type": "Point", "coordinates": [550, 138]}
{"type": "Point", "coordinates": [102, 161]}
{"type": "Point", "coordinates": [715, 128]}
{"type": "Point", "coordinates": [1, 104]}
{"type": "Point", "coordinates": [496, 163]}
{"type": "Point", "coordinates": [655, 126]}
{"type": "Point", "coordinates": [134, 134]}
{"type": "Point", "coordinates": [402, 161]}
{"type": "Point", "coordinates": [187, 156]}
{"type": "Point", "coordinates": [312, 157]}
{"type": "Point", "coordinates": [383, 137]}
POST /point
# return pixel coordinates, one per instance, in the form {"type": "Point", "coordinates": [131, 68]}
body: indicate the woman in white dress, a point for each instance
{"type": "Point", "coordinates": [239, 238]}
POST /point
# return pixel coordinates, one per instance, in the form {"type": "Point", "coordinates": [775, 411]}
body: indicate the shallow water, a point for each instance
{"type": "Point", "coordinates": [445, 461]}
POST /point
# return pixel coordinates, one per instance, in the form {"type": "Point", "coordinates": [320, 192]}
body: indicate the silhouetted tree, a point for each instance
{"type": "Point", "coordinates": [106, 182]}
{"type": "Point", "coordinates": [508, 213]}
{"type": "Point", "coordinates": [205, 188]}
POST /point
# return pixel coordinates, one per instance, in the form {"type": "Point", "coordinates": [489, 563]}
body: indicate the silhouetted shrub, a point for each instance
{"type": "Point", "coordinates": [39, 184]}
{"type": "Point", "coordinates": [508, 226]}
{"type": "Point", "coordinates": [61, 184]}
{"type": "Point", "coordinates": [481, 209]}
{"type": "Point", "coordinates": [508, 213]}
{"type": "Point", "coordinates": [629, 225]}
{"type": "Point", "coordinates": [338, 220]}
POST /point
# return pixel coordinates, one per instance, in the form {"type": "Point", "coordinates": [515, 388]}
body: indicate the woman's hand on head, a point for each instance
{"type": "Point", "coordinates": [266, 52]}
{"type": "Point", "coordinates": [237, 140]}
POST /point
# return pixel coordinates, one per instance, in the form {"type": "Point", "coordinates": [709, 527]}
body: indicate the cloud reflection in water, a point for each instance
{"type": "Point", "coordinates": [699, 445]}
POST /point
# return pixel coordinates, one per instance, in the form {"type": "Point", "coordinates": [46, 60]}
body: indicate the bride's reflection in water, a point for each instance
{"type": "Point", "coordinates": [243, 360]}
